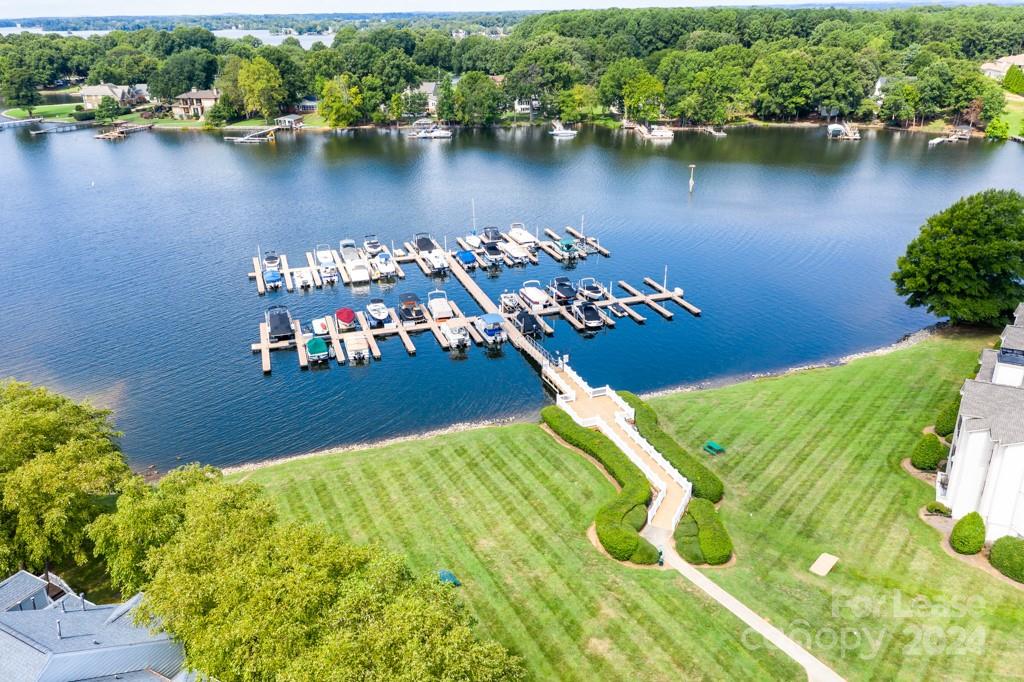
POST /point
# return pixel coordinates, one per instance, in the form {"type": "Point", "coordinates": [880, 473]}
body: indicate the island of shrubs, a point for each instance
{"type": "Point", "coordinates": [701, 537]}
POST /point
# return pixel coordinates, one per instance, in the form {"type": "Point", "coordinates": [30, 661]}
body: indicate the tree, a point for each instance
{"type": "Point", "coordinates": [340, 102]}
{"type": "Point", "coordinates": [414, 103]}
{"type": "Point", "coordinates": [643, 97]}
{"type": "Point", "coordinates": [261, 86]}
{"type": "Point", "coordinates": [252, 598]}
{"type": "Point", "coordinates": [58, 462]}
{"type": "Point", "coordinates": [194, 68]}
{"type": "Point", "coordinates": [18, 88]}
{"type": "Point", "coordinates": [783, 84]}
{"type": "Point", "coordinates": [902, 101]}
{"type": "Point", "coordinates": [445, 100]}
{"type": "Point", "coordinates": [108, 109]}
{"type": "Point", "coordinates": [614, 80]}
{"type": "Point", "coordinates": [396, 107]}
{"type": "Point", "coordinates": [967, 263]}
{"type": "Point", "coordinates": [1014, 80]}
{"type": "Point", "coordinates": [477, 100]}
{"type": "Point", "coordinates": [998, 129]}
{"type": "Point", "coordinates": [396, 70]}
{"type": "Point", "coordinates": [577, 102]}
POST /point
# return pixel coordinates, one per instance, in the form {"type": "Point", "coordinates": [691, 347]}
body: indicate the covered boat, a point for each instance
{"type": "Point", "coordinates": [492, 328]}
{"type": "Point", "coordinates": [562, 290]}
{"type": "Point", "coordinates": [409, 309]}
{"type": "Point", "coordinates": [492, 235]}
{"type": "Point", "coordinates": [273, 279]}
{"type": "Point", "coordinates": [356, 348]}
{"type": "Point", "coordinates": [467, 259]}
{"type": "Point", "coordinates": [439, 306]}
{"type": "Point", "coordinates": [517, 253]}
{"type": "Point", "coordinates": [527, 323]}
{"type": "Point", "coordinates": [345, 318]}
{"type": "Point", "coordinates": [317, 350]}
{"type": "Point", "coordinates": [587, 313]}
{"type": "Point", "coordinates": [320, 326]}
{"type": "Point", "coordinates": [279, 323]}
{"type": "Point", "coordinates": [493, 253]}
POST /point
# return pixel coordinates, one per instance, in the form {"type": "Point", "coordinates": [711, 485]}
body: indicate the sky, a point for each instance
{"type": "Point", "coordinates": [67, 8]}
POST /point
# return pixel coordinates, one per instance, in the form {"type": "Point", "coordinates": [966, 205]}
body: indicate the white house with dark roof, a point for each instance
{"type": "Point", "coordinates": [48, 634]}
{"type": "Point", "coordinates": [985, 468]}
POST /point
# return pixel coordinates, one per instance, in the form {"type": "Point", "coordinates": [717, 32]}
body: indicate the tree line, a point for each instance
{"type": "Point", "coordinates": [247, 595]}
{"type": "Point", "coordinates": [703, 66]}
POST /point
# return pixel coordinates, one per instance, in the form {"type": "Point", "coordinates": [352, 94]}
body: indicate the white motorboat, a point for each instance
{"type": "Point", "coordinates": [533, 294]}
{"type": "Point", "coordinates": [356, 348]}
{"type": "Point", "coordinates": [385, 265]}
{"type": "Point", "coordinates": [372, 245]}
{"type": "Point", "coordinates": [378, 312]}
{"type": "Point", "coordinates": [492, 328]}
{"type": "Point", "coordinates": [320, 327]}
{"type": "Point", "coordinates": [273, 279]}
{"type": "Point", "coordinates": [455, 333]}
{"type": "Point", "coordinates": [271, 261]}
{"type": "Point", "coordinates": [437, 261]}
{"type": "Point", "coordinates": [473, 241]}
{"type": "Point", "coordinates": [491, 235]}
{"type": "Point", "coordinates": [358, 268]}
{"type": "Point", "coordinates": [589, 288]}
{"type": "Point", "coordinates": [431, 251]}
{"type": "Point", "coordinates": [329, 274]}
{"type": "Point", "coordinates": [324, 256]}
{"type": "Point", "coordinates": [560, 131]}
{"type": "Point", "coordinates": [587, 313]}
{"type": "Point", "coordinates": [436, 133]}
{"type": "Point", "coordinates": [519, 234]}
{"type": "Point", "coordinates": [439, 306]}
{"type": "Point", "coordinates": [493, 253]}
{"type": "Point", "coordinates": [510, 302]}
{"type": "Point", "coordinates": [517, 253]}
{"type": "Point", "coordinates": [661, 133]}
{"type": "Point", "coordinates": [302, 278]}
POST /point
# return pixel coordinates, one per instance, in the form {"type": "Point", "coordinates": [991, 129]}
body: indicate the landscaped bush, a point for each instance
{"type": "Point", "coordinates": [968, 536]}
{"type": "Point", "coordinates": [945, 422]}
{"type": "Point", "coordinates": [937, 508]}
{"type": "Point", "coordinates": [1014, 80]}
{"type": "Point", "coordinates": [705, 483]}
{"type": "Point", "coordinates": [687, 543]}
{"type": "Point", "coordinates": [83, 115]}
{"type": "Point", "coordinates": [615, 521]}
{"type": "Point", "coordinates": [928, 452]}
{"type": "Point", "coordinates": [1008, 557]}
{"type": "Point", "coordinates": [636, 517]}
{"type": "Point", "coordinates": [715, 543]}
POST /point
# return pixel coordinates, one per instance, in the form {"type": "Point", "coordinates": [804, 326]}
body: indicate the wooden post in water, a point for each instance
{"type": "Point", "coordinates": [692, 167]}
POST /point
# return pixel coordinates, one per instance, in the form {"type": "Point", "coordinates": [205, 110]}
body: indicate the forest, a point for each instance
{"type": "Point", "coordinates": [700, 66]}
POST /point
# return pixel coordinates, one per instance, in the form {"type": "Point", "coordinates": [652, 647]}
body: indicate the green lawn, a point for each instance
{"type": "Point", "coordinates": [1015, 113]}
{"type": "Point", "coordinates": [44, 110]}
{"type": "Point", "coordinates": [813, 466]}
{"type": "Point", "coordinates": [507, 510]}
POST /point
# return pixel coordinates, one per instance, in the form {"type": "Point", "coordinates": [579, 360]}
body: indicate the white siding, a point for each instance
{"type": "Point", "coordinates": [970, 469]}
{"type": "Point", "coordinates": [1003, 491]}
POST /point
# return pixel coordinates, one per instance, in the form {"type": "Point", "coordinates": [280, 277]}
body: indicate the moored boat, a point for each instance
{"type": "Point", "coordinates": [378, 312]}
{"type": "Point", "coordinates": [533, 295]}
{"type": "Point", "coordinates": [279, 323]}
{"type": "Point", "coordinates": [345, 318]}
{"type": "Point", "coordinates": [271, 261]}
{"type": "Point", "coordinates": [590, 288]}
{"type": "Point", "coordinates": [587, 313]}
{"type": "Point", "coordinates": [317, 350]}
{"type": "Point", "coordinates": [372, 245]}
{"type": "Point", "coordinates": [455, 333]}
{"type": "Point", "coordinates": [562, 290]}
{"type": "Point", "coordinates": [303, 280]}
{"type": "Point", "coordinates": [516, 253]}
{"type": "Point", "coordinates": [320, 326]}
{"type": "Point", "coordinates": [273, 279]}
{"type": "Point", "coordinates": [568, 248]}
{"type": "Point", "coordinates": [385, 265]}
{"type": "Point", "coordinates": [519, 234]}
{"type": "Point", "coordinates": [559, 131]}
{"type": "Point", "coordinates": [409, 309]}
{"type": "Point", "coordinates": [492, 328]}
{"type": "Point", "coordinates": [467, 259]}
{"type": "Point", "coordinates": [527, 323]}
{"type": "Point", "coordinates": [439, 306]}
{"type": "Point", "coordinates": [509, 302]}
{"type": "Point", "coordinates": [358, 268]}
{"type": "Point", "coordinates": [493, 254]}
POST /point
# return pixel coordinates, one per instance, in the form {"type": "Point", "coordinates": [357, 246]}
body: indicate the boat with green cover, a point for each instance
{"type": "Point", "coordinates": [317, 350]}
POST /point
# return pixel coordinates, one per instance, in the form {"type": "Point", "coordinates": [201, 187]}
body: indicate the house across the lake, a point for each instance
{"type": "Point", "coordinates": [194, 104]}
{"type": "Point", "coordinates": [430, 90]}
{"type": "Point", "coordinates": [124, 95]}
{"type": "Point", "coordinates": [47, 632]}
{"type": "Point", "coordinates": [984, 472]}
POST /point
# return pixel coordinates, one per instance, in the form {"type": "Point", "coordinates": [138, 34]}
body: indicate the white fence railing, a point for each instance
{"type": "Point", "coordinates": [660, 460]}
{"type": "Point", "coordinates": [559, 383]}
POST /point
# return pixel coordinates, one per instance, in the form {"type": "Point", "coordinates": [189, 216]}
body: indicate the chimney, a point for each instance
{"type": "Point", "coordinates": [81, 595]}
{"type": "Point", "coordinates": [58, 629]}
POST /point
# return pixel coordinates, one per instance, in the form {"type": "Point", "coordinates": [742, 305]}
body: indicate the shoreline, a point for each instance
{"type": "Point", "coordinates": [907, 341]}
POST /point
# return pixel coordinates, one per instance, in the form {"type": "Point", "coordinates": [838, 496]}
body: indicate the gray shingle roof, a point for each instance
{"type": "Point", "coordinates": [994, 407]}
{"type": "Point", "coordinates": [1013, 338]}
{"type": "Point", "coordinates": [19, 587]}
{"type": "Point", "coordinates": [1018, 314]}
{"type": "Point", "coordinates": [988, 365]}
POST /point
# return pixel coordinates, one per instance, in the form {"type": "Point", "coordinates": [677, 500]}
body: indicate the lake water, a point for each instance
{"type": "Point", "coordinates": [265, 36]}
{"type": "Point", "coordinates": [125, 266]}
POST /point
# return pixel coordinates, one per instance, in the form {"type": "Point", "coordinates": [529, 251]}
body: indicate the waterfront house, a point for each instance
{"type": "Point", "coordinates": [47, 632]}
{"type": "Point", "coordinates": [124, 95]}
{"type": "Point", "coordinates": [308, 105]}
{"type": "Point", "coordinates": [999, 67]}
{"type": "Point", "coordinates": [289, 121]}
{"type": "Point", "coordinates": [194, 104]}
{"type": "Point", "coordinates": [984, 472]}
{"type": "Point", "coordinates": [428, 88]}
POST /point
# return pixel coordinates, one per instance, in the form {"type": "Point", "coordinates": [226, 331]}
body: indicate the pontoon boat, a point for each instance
{"type": "Point", "coordinates": [356, 347]}
{"type": "Point", "coordinates": [587, 313]}
{"type": "Point", "coordinates": [518, 233]}
{"type": "Point", "coordinates": [438, 305]}
{"type": "Point", "coordinates": [317, 350]}
{"type": "Point", "coordinates": [302, 279]}
{"type": "Point", "coordinates": [455, 333]}
{"type": "Point", "coordinates": [516, 253]}
{"type": "Point", "coordinates": [409, 311]}
{"type": "Point", "coordinates": [491, 328]}
{"type": "Point", "coordinates": [279, 323]}
{"type": "Point", "coordinates": [562, 290]}
{"type": "Point", "coordinates": [533, 295]}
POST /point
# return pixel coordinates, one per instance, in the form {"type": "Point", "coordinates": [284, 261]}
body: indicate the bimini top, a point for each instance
{"type": "Point", "coordinates": [466, 257]}
{"type": "Point", "coordinates": [345, 315]}
{"type": "Point", "coordinates": [409, 299]}
{"type": "Point", "coordinates": [491, 318]}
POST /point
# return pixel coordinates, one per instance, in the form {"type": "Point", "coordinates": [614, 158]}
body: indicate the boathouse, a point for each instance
{"type": "Point", "coordinates": [289, 121]}
{"type": "Point", "coordinates": [984, 472]}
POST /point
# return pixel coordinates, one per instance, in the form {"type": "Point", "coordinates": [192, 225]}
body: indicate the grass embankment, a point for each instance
{"type": "Point", "coordinates": [1014, 113]}
{"type": "Point", "coordinates": [55, 111]}
{"type": "Point", "coordinates": [813, 466]}
{"type": "Point", "coordinates": [507, 509]}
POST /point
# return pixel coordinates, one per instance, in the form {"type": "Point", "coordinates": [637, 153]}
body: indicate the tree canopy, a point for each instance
{"type": "Point", "coordinates": [967, 263]}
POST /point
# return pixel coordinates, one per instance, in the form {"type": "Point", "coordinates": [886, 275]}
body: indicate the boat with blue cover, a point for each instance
{"type": "Point", "coordinates": [492, 328]}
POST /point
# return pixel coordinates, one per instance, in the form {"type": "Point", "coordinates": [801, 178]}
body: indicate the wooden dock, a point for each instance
{"type": "Point", "coordinates": [120, 132]}
{"type": "Point", "coordinates": [264, 349]}
{"type": "Point", "coordinates": [300, 345]}
{"type": "Point", "coordinates": [468, 324]}
{"type": "Point", "coordinates": [257, 274]}
{"type": "Point", "coordinates": [649, 301]}
{"type": "Point", "coordinates": [368, 333]}
{"type": "Point", "coordinates": [314, 271]}
{"type": "Point", "coordinates": [403, 334]}
{"type": "Point", "coordinates": [589, 241]}
{"type": "Point", "coordinates": [332, 329]}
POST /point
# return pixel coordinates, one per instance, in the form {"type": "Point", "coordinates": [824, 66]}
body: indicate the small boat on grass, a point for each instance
{"type": "Point", "coordinates": [378, 312]}
{"type": "Point", "coordinates": [590, 289]}
{"type": "Point", "coordinates": [492, 328]}
{"type": "Point", "coordinates": [345, 319]}
{"type": "Point", "coordinates": [587, 313]}
{"type": "Point", "coordinates": [439, 306]}
{"type": "Point", "coordinates": [317, 350]}
{"type": "Point", "coordinates": [562, 290]}
{"type": "Point", "coordinates": [279, 323]}
{"type": "Point", "coordinates": [533, 295]}
{"type": "Point", "coordinates": [409, 309]}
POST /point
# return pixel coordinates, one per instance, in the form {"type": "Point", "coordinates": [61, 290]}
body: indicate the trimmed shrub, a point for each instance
{"type": "Point", "coordinates": [614, 521]}
{"type": "Point", "coordinates": [687, 543]}
{"type": "Point", "coordinates": [945, 422]}
{"type": "Point", "coordinates": [706, 484]}
{"type": "Point", "coordinates": [937, 509]}
{"type": "Point", "coordinates": [636, 517]}
{"type": "Point", "coordinates": [715, 543]}
{"type": "Point", "coordinates": [1014, 80]}
{"type": "Point", "coordinates": [968, 536]}
{"type": "Point", "coordinates": [645, 553]}
{"type": "Point", "coordinates": [1007, 556]}
{"type": "Point", "coordinates": [928, 452]}
{"type": "Point", "coordinates": [83, 115]}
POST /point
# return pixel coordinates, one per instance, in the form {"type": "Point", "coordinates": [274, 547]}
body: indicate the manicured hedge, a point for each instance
{"type": "Point", "coordinates": [715, 543]}
{"type": "Point", "coordinates": [687, 543]}
{"type": "Point", "coordinates": [1007, 557]}
{"type": "Point", "coordinates": [83, 115]}
{"type": "Point", "coordinates": [937, 508]}
{"type": "Point", "coordinates": [945, 422]}
{"type": "Point", "coordinates": [928, 452]}
{"type": "Point", "coordinates": [968, 536]}
{"type": "Point", "coordinates": [1014, 80]}
{"type": "Point", "coordinates": [616, 522]}
{"type": "Point", "coordinates": [705, 483]}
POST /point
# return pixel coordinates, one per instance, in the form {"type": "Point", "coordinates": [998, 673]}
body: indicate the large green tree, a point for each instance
{"type": "Point", "coordinates": [477, 99]}
{"type": "Point", "coordinates": [59, 462]}
{"type": "Point", "coordinates": [613, 81]}
{"type": "Point", "coordinates": [340, 102]}
{"type": "Point", "coordinates": [643, 97]}
{"type": "Point", "coordinates": [194, 68]}
{"type": "Point", "coordinates": [261, 86]}
{"type": "Point", "coordinates": [967, 263]}
{"type": "Point", "coordinates": [108, 109]}
{"type": "Point", "coordinates": [18, 88]}
{"type": "Point", "coordinates": [783, 84]}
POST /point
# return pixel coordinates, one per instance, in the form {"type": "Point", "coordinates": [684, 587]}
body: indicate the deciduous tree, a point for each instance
{"type": "Point", "coordinates": [261, 86]}
{"type": "Point", "coordinates": [477, 100]}
{"type": "Point", "coordinates": [340, 102]}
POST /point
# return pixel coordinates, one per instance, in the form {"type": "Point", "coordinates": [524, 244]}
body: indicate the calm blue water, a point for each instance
{"type": "Point", "coordinates": [125, 266]}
